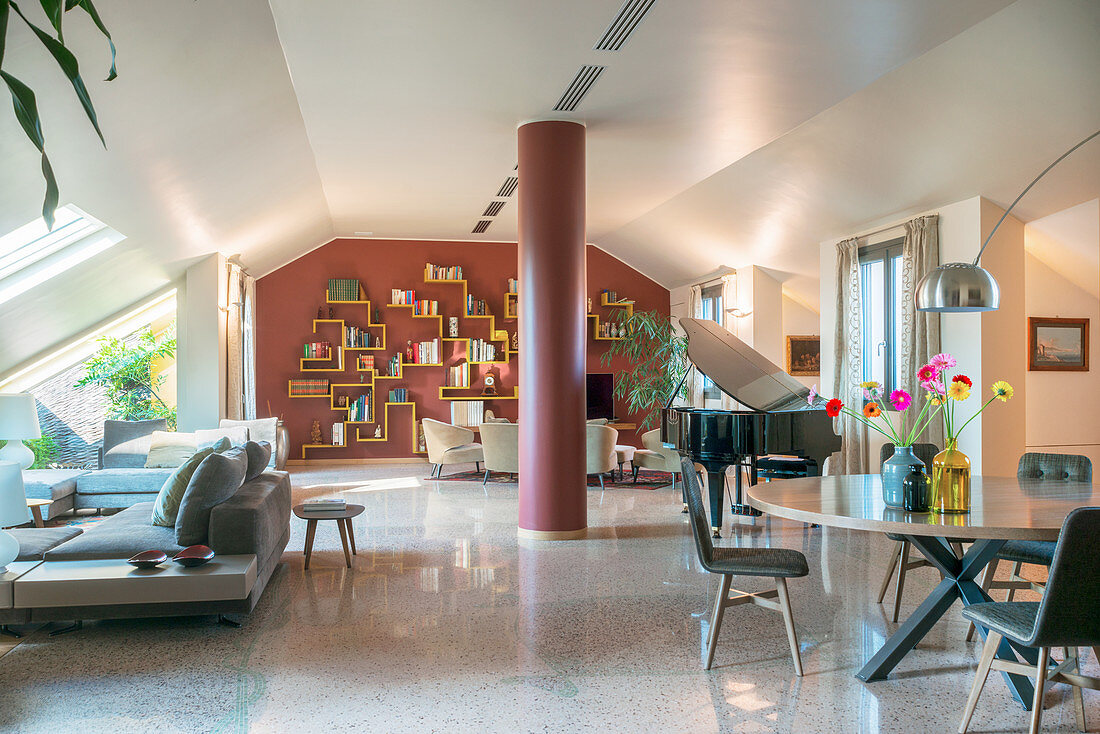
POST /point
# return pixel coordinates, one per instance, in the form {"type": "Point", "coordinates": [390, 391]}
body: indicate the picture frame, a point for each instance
{"type": "Point", "coordinates": [1057, 345]}
{"type": "Point", "coordinates": [804, 355]}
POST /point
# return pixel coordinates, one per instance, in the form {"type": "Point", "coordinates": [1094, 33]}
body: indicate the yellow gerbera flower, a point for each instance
{"type": "Point", "coordinates": [871, 385]}
{"type": "Point", "coordinates": [958, 391]}
{"type": "Point", "coordinates": [1003, 390]}
{"type": "Point", "coordinates": [933, 398]}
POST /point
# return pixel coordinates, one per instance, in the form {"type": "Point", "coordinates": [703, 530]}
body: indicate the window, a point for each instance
{"type": "Point", "coordinates": [32, 254]}
{"type": "Point", "coordinates": [880, 279]}
{"type": "Point", "coordinates": [712, 311]}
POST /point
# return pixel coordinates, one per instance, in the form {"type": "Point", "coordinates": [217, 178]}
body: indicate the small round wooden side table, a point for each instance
{"type": "Point", "coordinates": [343, 522]}
{"type": "Point", "coordinates": [36, 510]}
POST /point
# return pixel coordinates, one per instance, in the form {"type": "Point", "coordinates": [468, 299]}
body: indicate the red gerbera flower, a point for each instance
{"type": "Point", "coordinates": [832, 408]}
{"type": "Point", "coordinates": [963, 379]}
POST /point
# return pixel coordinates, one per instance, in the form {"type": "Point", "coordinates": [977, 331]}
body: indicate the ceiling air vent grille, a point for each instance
{"type": "Point", "coordinates": [508, 187]}
{"type": "Point", "coordinates": [481, 226]}
{"type": "Point", "coordinates": [625, 23]}
{"type": "Point", "coordinates": [493, 209]}
{"type": "Point", "coordinates": [579, 87]}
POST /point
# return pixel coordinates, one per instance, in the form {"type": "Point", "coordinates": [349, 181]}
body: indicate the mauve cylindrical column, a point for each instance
{"type": "Point", "coordinates": [552, 481]}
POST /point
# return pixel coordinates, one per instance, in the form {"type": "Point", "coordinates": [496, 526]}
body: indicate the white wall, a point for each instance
{"type": "Point", "coordinates": [988, 346]}
{"type": "Point", "coordinates": [201, 356]}
{"type": "Point", "coordinates": [799, 319]}
{"type": "Point", "coordinates": [1062, 274]}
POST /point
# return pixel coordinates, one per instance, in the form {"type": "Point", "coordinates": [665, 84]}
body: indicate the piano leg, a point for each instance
{"type": "Point", "coordinates": [739, 507]}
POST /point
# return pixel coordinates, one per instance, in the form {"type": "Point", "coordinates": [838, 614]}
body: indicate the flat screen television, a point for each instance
{"type": "Point", "coordinates": [601, 395]}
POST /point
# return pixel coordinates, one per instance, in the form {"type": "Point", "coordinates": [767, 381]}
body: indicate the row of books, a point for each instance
{"type": "Point", "coordinates": [476, 307]}
{"type": "Point", "coordinates": [482, 351]}
{"type": "Point", "coordinates": [513, 285]}
{"type": "Point", "coordinates": [310, 388]}
{"type": "Point", "coordinates": [317, 350]}
{"type": "Point", "coordinates": [610, 330]}
{"type": "Point", "coordinates": [337, 440]}
{"type": "Point", "coordinates": [393, 366]}
{"type": "Point", "coordinates": [459, 375]}
{"type": "Point", "coordinates": [356, 338]}
{"type": "Point", "coordinates": [424, 352]}
{"type": "Point", "coordinates": [440, 272]}
{"type": "Point", "coordinates": [320, 504]}
{"type": "Point", "coordinates": [399, 395]}
{"type": "Point", "coordinates": [343, 289]}
{"type": "Point", "coordinates": [399, 297]}
{"type": "Point", "coordinates": [365, 362]}
{"type": "Point", "coordinates": [424, 307]}
{"type": "Point", "coordinates": [361, 410]}
{"type": "Point", "coordinates": [467, 412]}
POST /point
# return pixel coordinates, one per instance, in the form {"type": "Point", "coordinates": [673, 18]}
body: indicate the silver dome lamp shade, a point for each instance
{"type": "Point", "coordinates": [968, 287]}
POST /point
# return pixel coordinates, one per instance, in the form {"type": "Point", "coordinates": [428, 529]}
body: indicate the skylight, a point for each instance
{"type": "Point", "coordinates": [32, 254]}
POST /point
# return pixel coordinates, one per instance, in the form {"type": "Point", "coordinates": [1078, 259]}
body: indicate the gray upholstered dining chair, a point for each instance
{"type": "Point", "coordinates": [778, 563]}
{"type": "Point", "coordinates": [1066, 617]}
{"type": "Point", "coordinates": [1048, 467]}
{"type": "Point", "coordinates": [900, 558]}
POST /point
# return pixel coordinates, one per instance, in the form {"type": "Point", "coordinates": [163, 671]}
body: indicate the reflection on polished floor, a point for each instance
{"type": "Point", "coordinates": [447, 623]}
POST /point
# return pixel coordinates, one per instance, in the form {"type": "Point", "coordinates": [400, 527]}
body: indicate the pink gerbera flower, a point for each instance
{"type": "Point", "coordinates": [935, 386]}
{"type": "Point", "coordinates": [927, 373]}
{"type": "Point", "coordinates": [812, 396]}
{"type": "Point", "coordinates": [942, 362]}
{"type": "Point", "coordinates": [901, 399]}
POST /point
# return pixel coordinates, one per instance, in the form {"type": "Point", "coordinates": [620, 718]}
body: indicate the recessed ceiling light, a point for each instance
{"type": "Point", "coordinates": [364, 234]}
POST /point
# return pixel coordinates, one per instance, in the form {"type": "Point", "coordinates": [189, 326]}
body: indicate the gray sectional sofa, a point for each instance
{"type": "Point", "coordinates": [254, 521]}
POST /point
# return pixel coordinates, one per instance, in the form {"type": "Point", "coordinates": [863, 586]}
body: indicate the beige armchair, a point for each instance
{"type": "Point", "coordinates": [655, 456]}
{"type": "Point", "coordinates": [600, 450]}
{"type": "Point", "coordinates": [501, 444]}
{"type": "Point", "coordinates": [449, 444]}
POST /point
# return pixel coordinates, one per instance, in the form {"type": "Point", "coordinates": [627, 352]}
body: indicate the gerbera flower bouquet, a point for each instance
{"type": "Point", "coordinates": [873, 415]}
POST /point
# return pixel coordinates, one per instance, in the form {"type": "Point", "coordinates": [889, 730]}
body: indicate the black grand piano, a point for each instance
{"type": "Point", "coordinates": [777, 419]}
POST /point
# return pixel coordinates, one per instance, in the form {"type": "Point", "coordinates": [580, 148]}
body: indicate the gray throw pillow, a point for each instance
{"type": "Point", "coordinates": [259, 454]}
{"type": "Point", "coordinates": [222, 445]}
{"type": "Point", "coordinates": [218, 478]}
{"type": "Point", "coordinates": [167, 505]}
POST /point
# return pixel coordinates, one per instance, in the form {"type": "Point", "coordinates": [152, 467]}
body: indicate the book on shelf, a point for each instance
{"type": "Point", "coordinates": [467, 412]}
{"type": "Point", "coordinates": [324, 505]}
{"type": "Point", "coordinates": [366, 362]}
{"type": "Point", "coordinates": [440, 272]}
{"type": "Point", "coordinates": [308, 388]}
{"type": "Point", "coordinates": [482, 351]}
{"type": "Point", "coordinates": [400, 297]}
{"type": "Point", "coordinates": [428, 352]}
{"type": "Point", "coordinates": [476, 307]}
{"type": "Point", "coordinates": [337, 434]}
{"type": "Point", "coordinates": [361, 410]}
{"type": "Point", "coordinates": [425, 308]}
{"type": "Point", "coordinates": [399, 395]}
{"type": "Point", "coordinates": [356, 338]}
{"type": "Point", "coordinates": [459, 375]}
{"type": "Point", "coordinates": [513, 285]}
{"type": "Point", "coordinates": [343, 289]}
{"type": "Point", "coordinates": [317, 350]}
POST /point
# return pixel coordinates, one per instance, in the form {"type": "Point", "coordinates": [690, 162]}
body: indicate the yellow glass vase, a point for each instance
{"type": "Point", "coordinates": [951, 480]}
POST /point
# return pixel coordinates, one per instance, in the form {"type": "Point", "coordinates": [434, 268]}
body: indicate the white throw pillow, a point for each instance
{"type": "Point", "coordinates": [259, 429]}
{"type": "Point", "coordinates": [169, 449]}
{"type": "Point", "coordinates": [206, 437]}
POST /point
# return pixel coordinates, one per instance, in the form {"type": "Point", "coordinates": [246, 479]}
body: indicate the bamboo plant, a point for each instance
{"type": "Point", "coordinates": [658, 361]}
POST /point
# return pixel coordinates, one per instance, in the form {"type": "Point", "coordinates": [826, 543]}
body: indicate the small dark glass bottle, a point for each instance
{"type": "Point", "coordinates": [914, 490]}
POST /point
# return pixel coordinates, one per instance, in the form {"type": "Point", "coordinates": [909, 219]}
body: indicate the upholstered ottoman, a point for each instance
{"type": "Point", "coordinates": [624, 454]}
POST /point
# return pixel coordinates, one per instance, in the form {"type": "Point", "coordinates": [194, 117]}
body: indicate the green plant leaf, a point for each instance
{"type": "Point", "coordinates": [26, 112]}
{"type": "Point", "coordinates": [87, 7]}
{"type": "Point", "coordinates": [5, 12]}
{"type": "Point", "coordinates": [54, 9]}
{"type": "Point", "coordinates": [69, 67]}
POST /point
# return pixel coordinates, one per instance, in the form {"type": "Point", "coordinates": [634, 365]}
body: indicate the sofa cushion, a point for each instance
{"type": "Point", "coordinates": [50, 484]}
{"type": "Point", "coordinates": [170, 449]}
{"type": "Point", "coordinates": [259, 454]}
{"type": "Point", "coordinates": [119, 536]}
{"type": "Point", "coordinates": [34, 542]}
{"type": "Point", "coordinates": [122, 481]}
{"type": "Point", "coordinates": [167, 505]}
{"type": "Point", "coordinates": [259, 429]}
{"type": "Point", "coordinates": [126, 443]}
{"type": "Point", "coordinates": [237, 435]}
{"type": "Point", "coordinates": [217, 479]}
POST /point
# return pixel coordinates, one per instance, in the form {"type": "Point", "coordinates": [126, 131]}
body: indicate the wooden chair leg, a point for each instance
{"type": "Point", "coordinates": [788, 621]}
{"type": "Point", "coordinates": [716, 617]}
{"type": "Point", "coordinates": [988, 652]}
{"type": "Point", "coordinates": [987, 578]}
{"type": "Point", "coordinates": [893, 564]}
{"type": "Point", "coordinates": [901, 579]}
{"type": "Point", "coordinates": [1078, 696]}
{"type": "Point", "coordinates": [1040, 689]}
{"type": "Point", "coordinates": [1015, 574]}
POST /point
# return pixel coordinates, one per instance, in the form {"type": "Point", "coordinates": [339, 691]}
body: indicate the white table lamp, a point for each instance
{"type": "Point", "coordinates": [13, 510]}
{"type": "Point", "coordinates": [18, 421]}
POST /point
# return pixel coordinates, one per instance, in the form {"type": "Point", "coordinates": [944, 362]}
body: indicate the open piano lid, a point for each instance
{"type": "Point", "coordinates": [740, 371]}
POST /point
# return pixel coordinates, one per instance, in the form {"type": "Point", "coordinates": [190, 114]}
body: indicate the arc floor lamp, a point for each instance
{"type": "Point", "coordinates": [968, 287]}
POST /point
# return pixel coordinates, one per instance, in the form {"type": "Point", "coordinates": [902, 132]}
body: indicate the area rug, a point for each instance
{"type": "Point", "coordinates": [646, 479]}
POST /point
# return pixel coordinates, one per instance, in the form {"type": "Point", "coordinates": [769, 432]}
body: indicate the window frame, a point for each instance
{"type": "Point", "coordinates": [712, 295]}
{"type": "Point", "coordinates": [888, 252]}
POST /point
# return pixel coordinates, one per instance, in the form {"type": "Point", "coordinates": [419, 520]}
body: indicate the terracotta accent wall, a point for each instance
{"type": "Point", "coordinates": [288, 299]}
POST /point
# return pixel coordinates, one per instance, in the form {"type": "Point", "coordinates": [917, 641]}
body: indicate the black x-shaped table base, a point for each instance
{"type": "Point", "coordinates": [958, 583]}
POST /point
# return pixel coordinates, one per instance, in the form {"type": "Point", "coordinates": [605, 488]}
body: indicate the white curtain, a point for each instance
{"type": "Point", "coordinates": [852, 457]}
{"type": "Point", "coordinates": [920, 331]}
{"type": "Point", "coordinates": [695, 382]}
{"type": "Point", "coordinates": [240, 363]}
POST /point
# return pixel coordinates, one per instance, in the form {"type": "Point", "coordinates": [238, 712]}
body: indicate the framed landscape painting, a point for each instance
{"type": "Point", "coordinates": [804, 356]}
{"type": "Point", "coordinates": [1058, 345]}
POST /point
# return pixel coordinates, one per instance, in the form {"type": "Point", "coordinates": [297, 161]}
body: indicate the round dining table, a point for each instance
{"type": "Point", "coordinates": [1001, 509]}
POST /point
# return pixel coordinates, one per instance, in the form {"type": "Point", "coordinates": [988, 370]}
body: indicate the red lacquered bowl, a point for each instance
{"type": "Point", "coordinates": [195, 555]}
{"type": "Point", "coordinates": [148, 559]}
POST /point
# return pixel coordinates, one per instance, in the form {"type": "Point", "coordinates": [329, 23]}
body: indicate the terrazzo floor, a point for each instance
{"type": "Point", "coordinates": [447, 623]}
